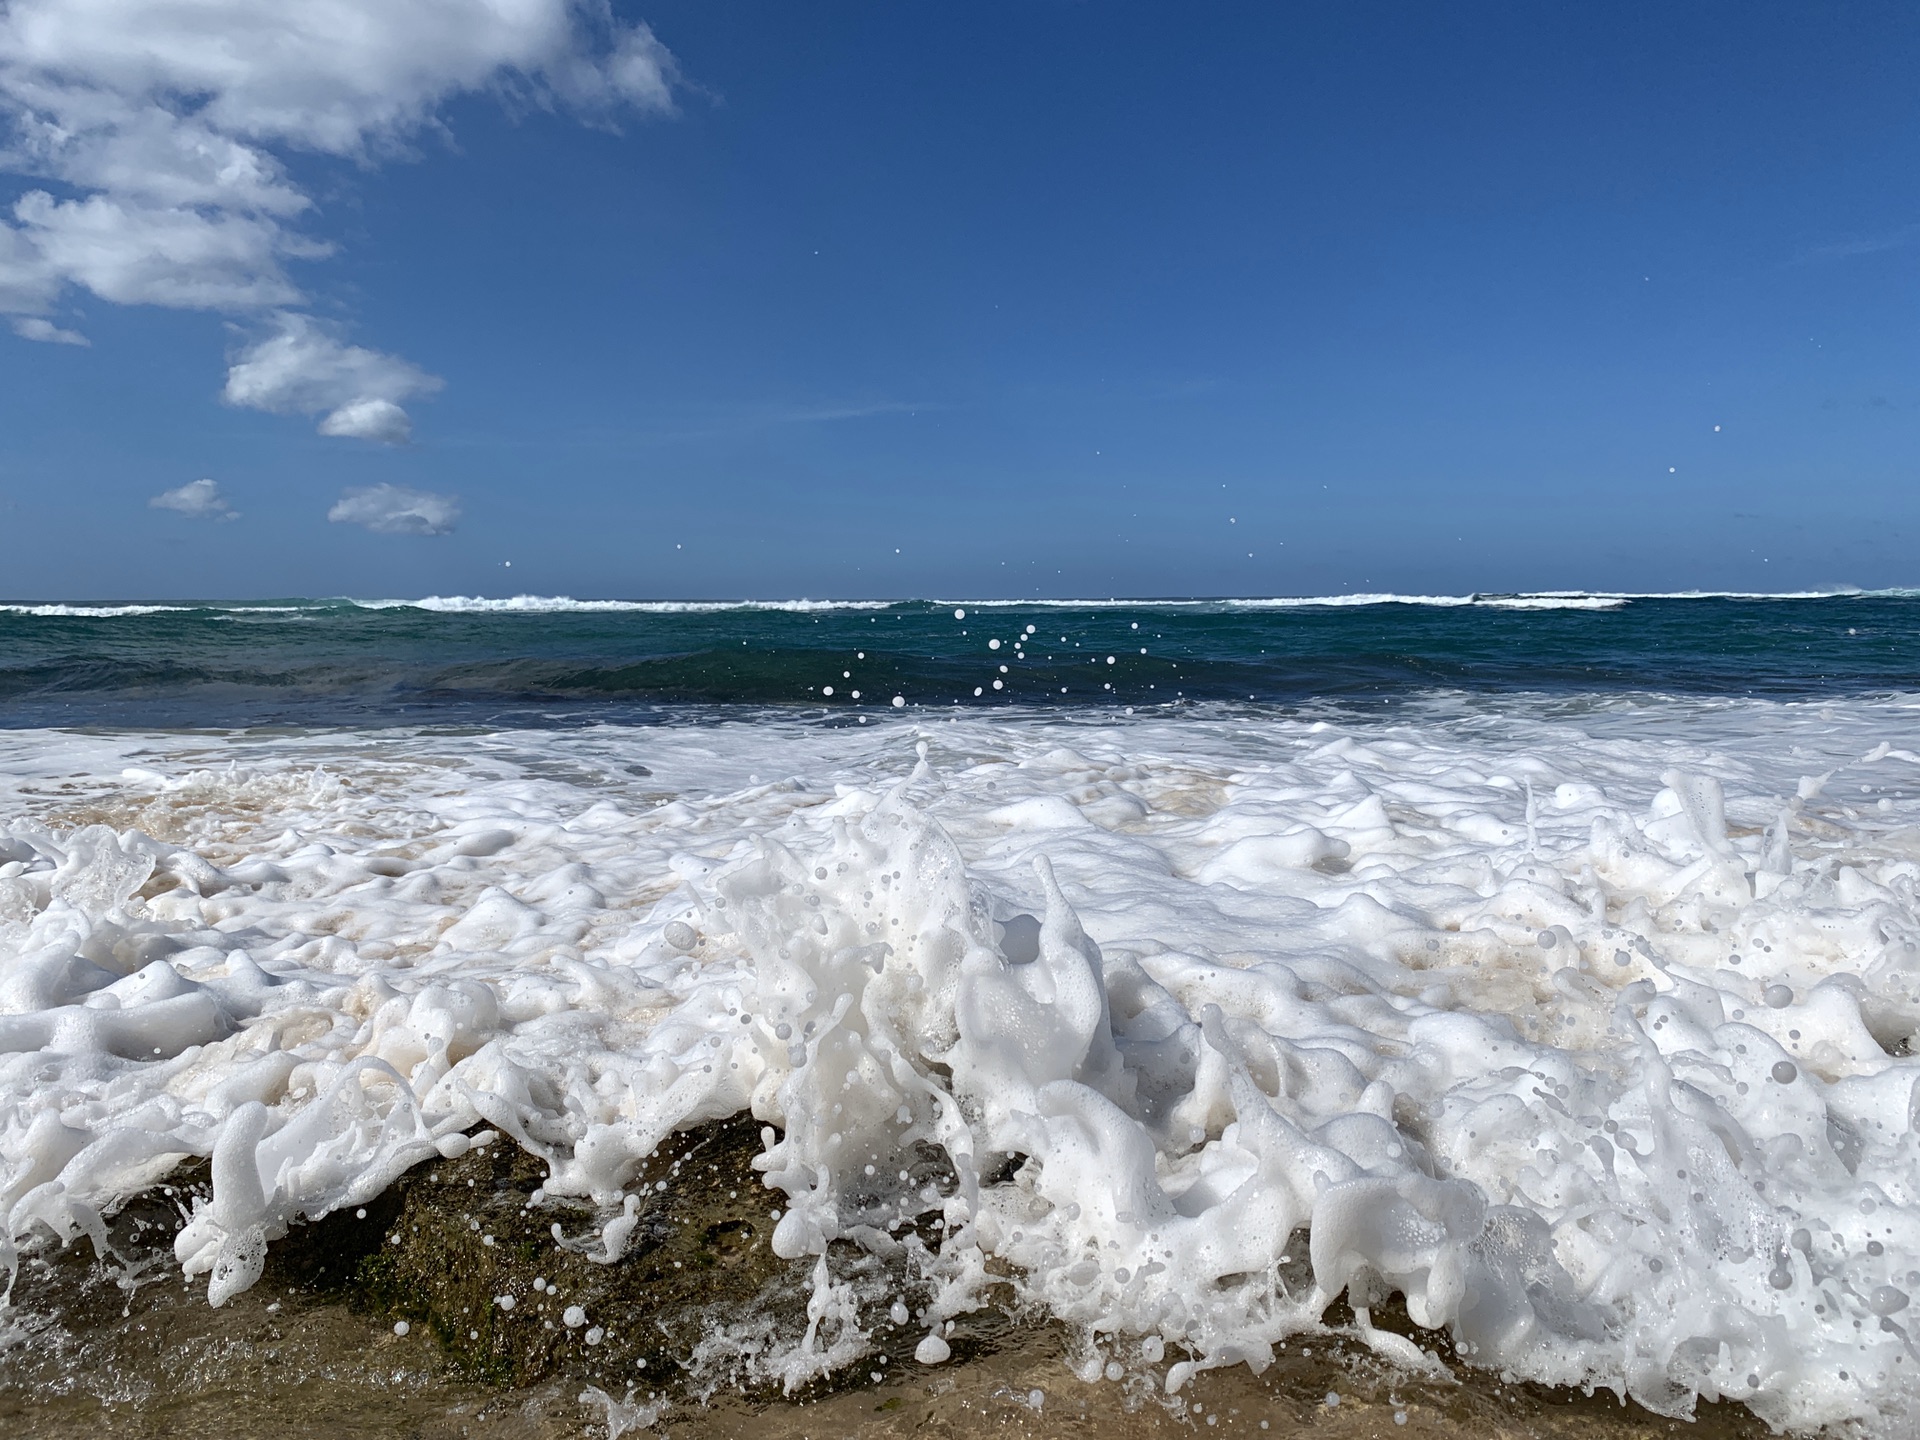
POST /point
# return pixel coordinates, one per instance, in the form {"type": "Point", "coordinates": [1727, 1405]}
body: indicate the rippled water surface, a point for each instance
{"type": "Point", "coordinates": [536, 660]}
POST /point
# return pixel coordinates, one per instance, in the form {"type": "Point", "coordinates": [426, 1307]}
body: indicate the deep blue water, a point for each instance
{"type": "Point", "coordinates": [298, 662]}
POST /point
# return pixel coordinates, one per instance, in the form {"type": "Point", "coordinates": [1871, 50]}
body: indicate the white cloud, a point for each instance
{"type": "Point", "coordinates": [200, 499]}
{"type": "Point", "coordinates": [369, 420]}
{"type": "Point", "coordinates": [184, 259]}
{"type": "Point", "coordinates": [33, 327]}
{"type": "Point", "coordinates": [396, 510]}
{"type": "Point", "coordinates": [300, 369]}
{"type": "Point", "coordinates": [163, 127]}
{"type": "Point", "coordinates": [28, 284]}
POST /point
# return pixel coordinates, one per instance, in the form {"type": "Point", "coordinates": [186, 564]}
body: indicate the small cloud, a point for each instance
{"type": "Point", "coordinates": [32, 327]}
{"type": "Point", "coordinates": [396, 510]}
{"type": "Point", "coordinates": [1858, 245]}
{"type": "Point", "coordinates": [199, 499]}
{"type": "Point", "coordinates": [380, 420]}
{"type": "Point", "coordinates": [300, 369]}
{"type": "Point", "coordinates": [728, 420]}
{"type": "Point", "coordinates": [821, 414]}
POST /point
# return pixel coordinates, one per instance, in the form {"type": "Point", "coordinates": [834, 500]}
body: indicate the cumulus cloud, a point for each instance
{"type": "Point", "coordinates": [396, 510]}
{"type": "Point", "coordinates": [301, 369]}
{"type": "Point", "coordinates": [163, 129]}
{"type": "Point", "coordinates": [33, 327]}
{"type": "Point", "coordinates": [369, 419]}
{"type": "Point", "coordinates": [200, 499]}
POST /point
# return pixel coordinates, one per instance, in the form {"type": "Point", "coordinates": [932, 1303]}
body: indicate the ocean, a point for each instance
{"type": "Point", "coordinates": [536, 661]}
{"type": "Point", "coordinates": [1508, 990]}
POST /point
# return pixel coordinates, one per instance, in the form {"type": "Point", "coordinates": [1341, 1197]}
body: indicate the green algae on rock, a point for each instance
{"type": "Point", "coordinates": [513, 1283]}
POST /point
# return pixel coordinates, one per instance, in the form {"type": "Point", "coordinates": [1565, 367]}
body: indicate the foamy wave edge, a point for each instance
{"type": "Point", "coordinates": [92, 612]}
{"type": "Point", "coordinates": [1518, 600]}
{"type": "Point", "coordinates": [567, 604]}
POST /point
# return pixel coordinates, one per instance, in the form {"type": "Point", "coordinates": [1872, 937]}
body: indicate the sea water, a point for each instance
{"type": "Point", "coordinates": [1552, 963]}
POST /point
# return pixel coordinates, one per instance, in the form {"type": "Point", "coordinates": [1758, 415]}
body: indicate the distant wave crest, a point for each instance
{"type": "Point", "coordinates": [566, 604]}
{"type": "Point", "coordinates": [93, 612]}
{"type": "Point", "coordinates": [1520, 600]}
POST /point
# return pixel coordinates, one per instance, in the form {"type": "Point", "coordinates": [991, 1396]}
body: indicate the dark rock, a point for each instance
{"type": "Point", "coordinates": [452, 1238]}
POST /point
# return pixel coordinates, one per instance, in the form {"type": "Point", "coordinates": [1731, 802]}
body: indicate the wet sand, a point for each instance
{"type": "Point", "coordinates": [175, 1367]}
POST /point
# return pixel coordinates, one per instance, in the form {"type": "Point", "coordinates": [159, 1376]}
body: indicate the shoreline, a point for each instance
{"type": "Point", "coordinates": [309, 1352]}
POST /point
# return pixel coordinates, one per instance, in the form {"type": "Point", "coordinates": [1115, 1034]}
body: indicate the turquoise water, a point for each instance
{"type": "Point", "coordinates": [541, 661]}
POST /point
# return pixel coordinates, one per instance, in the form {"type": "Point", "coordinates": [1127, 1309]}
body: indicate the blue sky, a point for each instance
{"type": "Point", "coordinates": [903, 299]}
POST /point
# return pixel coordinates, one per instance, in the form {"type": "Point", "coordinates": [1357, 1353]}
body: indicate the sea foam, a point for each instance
{"type": "Point", "coordinates": [1590, 1040]}
{"type": "Point", "coordinates": [566, 604]}
{"type": "Point", "coordinates": [529, 604]}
